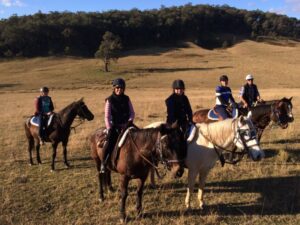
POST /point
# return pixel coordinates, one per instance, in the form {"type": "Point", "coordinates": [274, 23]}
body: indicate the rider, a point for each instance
{"type": "Point", "coordinates": [118, 114]}
{"type": "Point", "coordinates": [249, 93]}
{"type": "Point", "coordinates": [224, 98]}
{"type": "Point", "coordinates": [178, 107]}
{"type": "Point", "coordinates": [43, 108]}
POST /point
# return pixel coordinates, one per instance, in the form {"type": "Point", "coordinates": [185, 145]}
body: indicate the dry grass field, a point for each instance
{"type": "Point", "coordinates": [266, 192]}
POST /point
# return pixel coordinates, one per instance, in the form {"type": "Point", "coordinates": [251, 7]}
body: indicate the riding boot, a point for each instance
{"type": "Point", "coordinates": [108, 148]}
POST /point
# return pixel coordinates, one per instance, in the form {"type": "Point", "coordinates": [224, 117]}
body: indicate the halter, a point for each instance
{"type": "Point", "coordinates": [81, 119]}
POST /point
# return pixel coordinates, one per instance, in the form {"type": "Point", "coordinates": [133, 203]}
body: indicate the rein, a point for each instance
{"type": "Point", "coordinates": [157, 146]}
{"type": "Point", "coordinates": [232, 151]}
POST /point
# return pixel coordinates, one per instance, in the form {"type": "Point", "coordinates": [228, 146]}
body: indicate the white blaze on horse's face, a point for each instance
{"type": "Point", "coordinates": [246, 138]}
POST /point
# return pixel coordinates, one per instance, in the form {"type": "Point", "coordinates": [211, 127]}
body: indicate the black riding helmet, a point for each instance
{"type": "Point", "coordinates": [119, 82]}
{"type": "Point", "coordinates": [178, 84]}
{"type": "Point", "coordinates": [44, 89]}
{"type": "Point", "coordinates": [223, 78]}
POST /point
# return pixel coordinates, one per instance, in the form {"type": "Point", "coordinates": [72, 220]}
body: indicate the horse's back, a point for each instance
{"type": "Point", "coordinates": [96, 141]}
{"type": "Point", "coordinates": [200, 116]}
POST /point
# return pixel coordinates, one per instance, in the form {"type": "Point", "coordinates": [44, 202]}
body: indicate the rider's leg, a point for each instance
{"type": "Point", "coordinates": [112, 137]}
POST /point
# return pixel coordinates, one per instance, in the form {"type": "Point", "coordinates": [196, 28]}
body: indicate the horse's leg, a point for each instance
{"type": "Point", "coordinates": [108, 179]}
{"type": "Point", "coordinates": [139, 195]}
{"type": "Point", "coordinates": [38, 157]}
{"type": "Point", "coordinates": [64, 144]}
{"type": "Point", "coordinates": [54, 148]}
{"type": "Point", "coordinates": [202, 179]}
{"type": "Point", "coordinates": [191, 183]}
{"type": "Point", "coordinates": [30, 147]}
{"type": "Point", "coordinates": [259, 133]}
{"type": "Point", "coordinates": [124, 193]}
{"type": "Point", "coordinates": [152, 178]}
{"type": "Point", "coordinates": [100, 180]}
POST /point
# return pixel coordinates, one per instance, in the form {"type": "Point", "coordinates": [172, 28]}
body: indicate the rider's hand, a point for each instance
{"type": "Point", "coordinates": [245, 106]}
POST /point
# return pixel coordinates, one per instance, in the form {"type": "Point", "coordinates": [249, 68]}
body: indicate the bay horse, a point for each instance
{"type": "Point", "coordinates": [142, 150]}
{"type": "Point", "coordinates": [278, 111]}
{"type": "Point", "coordinates": [58, 131]}
{"type": "Point", "coordinates": [210, 140]}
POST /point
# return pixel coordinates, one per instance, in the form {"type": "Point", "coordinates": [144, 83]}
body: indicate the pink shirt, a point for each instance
{"type": "Point", "coordinates": [107, 114]}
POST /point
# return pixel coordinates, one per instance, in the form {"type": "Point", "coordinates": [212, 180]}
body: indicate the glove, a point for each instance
{"type": "Point", "coordinates": [234, 105]}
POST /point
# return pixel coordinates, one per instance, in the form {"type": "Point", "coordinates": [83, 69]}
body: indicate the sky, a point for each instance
{"type": "Point", "coordinates": [290, 8]}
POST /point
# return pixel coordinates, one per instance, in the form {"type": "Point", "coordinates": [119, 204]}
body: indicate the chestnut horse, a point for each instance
{"type": "Point", "coordinates": [278, 111]}
{"type": "Point", "coordinates": [141, 151]}
{"type": "Point", "coordinates": [58, 131]}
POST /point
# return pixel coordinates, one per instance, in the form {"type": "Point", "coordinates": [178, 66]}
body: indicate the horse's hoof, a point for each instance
{"type": "Point", "coordinates": [52, 171]}
{"type": "Point", "coordinates": [111, 189]}
{"type": "Point", "coordinates": [123, 220]}
{"type": "Point", "coordinates": [101, 200]}
{"type": "Point", "coordinates": [30, 164]}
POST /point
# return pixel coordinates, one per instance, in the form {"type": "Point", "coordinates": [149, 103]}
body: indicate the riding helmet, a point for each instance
{"type": "Point", "coordinates": [44, 89]}
{"type": "Point", "coordinates": [119, 82]}
{"type": "Point", "coordinates": [178, 84]}
{"type": "Point", "coordinates": [249, 77]}
{"type": "Point", "coordinates": [223, 78]}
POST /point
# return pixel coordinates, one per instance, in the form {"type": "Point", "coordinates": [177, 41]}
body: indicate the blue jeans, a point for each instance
{"type": "Point", "coordinates": [43, 119]}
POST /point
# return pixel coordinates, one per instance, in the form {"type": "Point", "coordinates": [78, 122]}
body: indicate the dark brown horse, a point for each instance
{"type": "Point", "coordinates": [278, 111]}
{"type": "Point", "coordinates": [58, 131]}
{"type": "Point", "coordinates": [141, 151]}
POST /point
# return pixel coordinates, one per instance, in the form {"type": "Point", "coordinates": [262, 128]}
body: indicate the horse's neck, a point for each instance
{"type": "Point", "coordinates": [67, 116]}
{"type": "Point", "coordinates": [262, 115]}
{"type": "Point", "coordinates": [217, 134]}
{"type": "Point", "coordinates": [146, 141]}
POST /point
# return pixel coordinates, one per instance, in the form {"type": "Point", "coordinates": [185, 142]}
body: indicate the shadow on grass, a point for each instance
{"type": "Point", "coordinates": [279, 196]}
{"type": "Point", "coordinates": [8, 85]}
{"type": "Point", "coordinates": [283, 141]}
{"type": "Point", "coordinates": [171, 70]}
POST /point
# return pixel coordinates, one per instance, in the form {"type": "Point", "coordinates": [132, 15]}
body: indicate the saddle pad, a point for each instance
{"type": "Point", "coordinates": [35, 120]}
{"type": "Point", "coordinates": [211, 115]}
{"type": "Point", "coordinates": [123, 138]}
{"type": "Point", "coordinates": [192, 132]}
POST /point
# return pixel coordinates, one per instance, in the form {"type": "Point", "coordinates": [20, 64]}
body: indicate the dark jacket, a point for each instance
{"type": "Point", "coordinates": [250, 93]}
{"type": "Point", "coordinates": [120, 111]}
{"type": "Point", "coordinates": [178, 109]}
{"type": "Point", "coordinates": [44, 105]}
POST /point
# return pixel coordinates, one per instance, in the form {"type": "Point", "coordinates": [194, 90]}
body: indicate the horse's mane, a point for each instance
{"type": "Point", "coordinates": [67, 108]}
{"type": "Point", "coordinates": [145, 133]}
{"type": "Point", "coordinates": [218, 132]}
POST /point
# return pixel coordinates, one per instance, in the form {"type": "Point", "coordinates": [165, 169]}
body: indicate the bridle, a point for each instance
{"type": "Point", "coordinates": [158, 151]}
{"type": "Point", "coordinates": [238, 137]}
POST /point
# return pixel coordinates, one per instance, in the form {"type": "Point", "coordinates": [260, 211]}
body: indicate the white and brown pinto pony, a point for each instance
{"type": "Point", "coordinates": [207, 145]}
{"type": "Point", "coordinates": [210, 141]}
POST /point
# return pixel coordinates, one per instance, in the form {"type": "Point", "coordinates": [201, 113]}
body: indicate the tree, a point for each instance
{"type": "Point", "coordinates": [109, 49]}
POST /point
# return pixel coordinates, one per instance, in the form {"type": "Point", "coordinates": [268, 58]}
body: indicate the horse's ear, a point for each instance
{"type": "Point", "coordinates": [290, 99]}
{"type": "Point", "coordinates": [80, 100]}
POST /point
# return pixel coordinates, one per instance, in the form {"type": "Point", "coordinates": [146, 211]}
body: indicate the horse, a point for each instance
{"type": "Point", "coordinates": [141, 150]}
{"type": "Point", "coordinates": [210, 140]}
{"type": "Point", "coordinates": [278, 111]}
{"type": "Point", "coordinates": [58, 131]}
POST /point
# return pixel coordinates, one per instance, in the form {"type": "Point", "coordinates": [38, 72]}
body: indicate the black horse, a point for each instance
{"type": "Point", "coordinates": [58, 131]}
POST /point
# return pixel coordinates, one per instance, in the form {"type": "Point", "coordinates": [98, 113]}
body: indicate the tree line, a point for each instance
{"type": "Point", "coordinates": [80, 33]}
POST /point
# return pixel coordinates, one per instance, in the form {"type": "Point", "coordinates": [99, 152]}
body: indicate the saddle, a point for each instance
{"type": "Point", "coordinates": [213, 115]}
{"type": "Point", "coordinates": [35, 120]}
{"type": "Point", "coordinates": [101, 139]}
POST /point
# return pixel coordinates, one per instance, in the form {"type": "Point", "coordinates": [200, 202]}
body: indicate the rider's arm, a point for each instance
{"type": "Point", "coordinates": [131, 111]}
{"type": "Point", "coordinates": [189, 110]}
{"type": "Point", "coordinates": [170, 111]}
{"type": "Point", "coordinates": [36, 106]}
{"type": "Point", "coordinates": [242, 91]}
{"type": "Point", "coordinates": [51, 105]}
{"type": "Point", "coordinates": [107, 115]}
{"type": "Point", "coordinates": [219, 96]}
